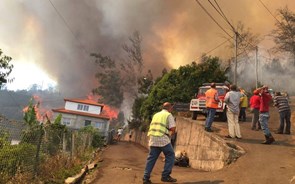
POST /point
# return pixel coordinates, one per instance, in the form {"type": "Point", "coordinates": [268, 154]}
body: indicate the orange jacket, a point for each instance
{"type": "Point", "coordinates": [211, 102]}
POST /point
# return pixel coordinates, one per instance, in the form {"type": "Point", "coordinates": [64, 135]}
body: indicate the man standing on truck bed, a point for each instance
{"type": "Point", "coordinates": [211, 104]}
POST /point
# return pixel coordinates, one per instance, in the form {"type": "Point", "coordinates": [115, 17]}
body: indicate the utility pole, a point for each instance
{"type": "Point", "coordinates": [236, 58]}
{"type": "Point", "coordinates": [256, 66]}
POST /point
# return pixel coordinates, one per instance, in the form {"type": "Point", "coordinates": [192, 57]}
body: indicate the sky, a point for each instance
{"type": "Point", "coordinates": [50, 41]}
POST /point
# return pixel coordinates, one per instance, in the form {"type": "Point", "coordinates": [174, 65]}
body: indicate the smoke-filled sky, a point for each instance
{"type": "Point", "coordinates": [56, 36]}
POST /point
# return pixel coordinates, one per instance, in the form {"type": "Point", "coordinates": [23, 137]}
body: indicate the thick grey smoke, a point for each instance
{"type": "Point", "coordinates": [61, 37]}
{"type": "Point", "coordinates": [276, 73]}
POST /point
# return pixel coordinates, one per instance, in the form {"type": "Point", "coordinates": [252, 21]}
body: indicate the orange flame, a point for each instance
{"type": "Point", "coordinates": [42, 114]}
{"type": "Point", "coordinates": [93, 97]}
{"type": "Point", "coordinates": [109, 111]}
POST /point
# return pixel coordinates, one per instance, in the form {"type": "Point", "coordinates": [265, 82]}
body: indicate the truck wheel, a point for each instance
{"type": "Point", "coordinates": [195, 115]}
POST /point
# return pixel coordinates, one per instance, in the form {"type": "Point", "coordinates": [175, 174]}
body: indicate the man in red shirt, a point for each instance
{"type": "Point", "coordinates": [255, 106]}
{"type": "Point", "coordinates": [264, 114]}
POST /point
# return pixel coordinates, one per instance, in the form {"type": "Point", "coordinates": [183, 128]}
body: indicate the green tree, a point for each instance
{"type": "Point", "coordinates": [180, 85]}
{"type": "Point", "coordinates": [145, 83]}
{"type": "Point", "coordinates": [119, 78]}
{"type": "Point", "coordinates": [137, 120]}
{"type": "Point", "coordinates": [110, 88]}
{"type": "Point", "coordinates": [6, 68]}
{"type": "Point", "coordinates": [91, 137]}
{"type": "Point", "coordinates": [4, 138]}
{"type": "Point", "coordinates": [33, 131]}
{"type": "Point", "coordinates": [54, 135]}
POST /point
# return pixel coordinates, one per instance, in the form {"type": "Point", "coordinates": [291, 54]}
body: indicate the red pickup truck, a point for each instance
{"type": "Point", "coordinates": [198, 104]}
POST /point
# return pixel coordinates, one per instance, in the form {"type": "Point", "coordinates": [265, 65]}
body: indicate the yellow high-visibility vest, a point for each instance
{"type": "Point", "coordinates": [158, 126]}
{"type": "Point", "coordinates": [244, 101]}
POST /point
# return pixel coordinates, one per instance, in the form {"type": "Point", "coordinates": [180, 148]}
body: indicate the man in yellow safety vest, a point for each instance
{"type": "Point", "coordinates": [162, 123]}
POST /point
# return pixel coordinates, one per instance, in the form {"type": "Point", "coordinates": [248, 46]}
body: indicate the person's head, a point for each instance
{"type": "Point", "coordinates": [278, 93]}
{"type": "Point", "coordinates": [233, 87]}
{"type": "Point", "coordinates": [265, 88]}
{"type": "Point", "coordinates": [168, 106]}
{"type": "Point", "coordinates": [213, 85]}
{"type": "Point", "coordinates": [256, 92]}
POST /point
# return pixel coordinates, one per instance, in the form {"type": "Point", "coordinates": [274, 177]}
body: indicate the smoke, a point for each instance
{"type": "Point", "coordinates": [275, 73]}
{"type": "Point", "coordinates": [59, 36]}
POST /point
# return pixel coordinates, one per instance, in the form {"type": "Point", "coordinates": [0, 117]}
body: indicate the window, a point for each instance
{"type": "Point", "coordinates": [100, 125]}
{"type": "Point", "coordinates": [85, 108]}
{"type": "Point", "coordinates": [80, 107]}
{"type": "Point", "coordinates": [66, 121]}
{"type": "Point", "coordinates": [221, 91]}
{"type": "Point", "coordinates": [87, 122]}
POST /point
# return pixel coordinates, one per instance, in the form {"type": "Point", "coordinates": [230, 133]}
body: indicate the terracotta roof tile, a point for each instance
{"type": "Point", "coordinates": [85, 101]}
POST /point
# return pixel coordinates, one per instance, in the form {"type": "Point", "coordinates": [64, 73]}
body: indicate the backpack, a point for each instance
{"type": "Point", "coordinates": [182, 161]}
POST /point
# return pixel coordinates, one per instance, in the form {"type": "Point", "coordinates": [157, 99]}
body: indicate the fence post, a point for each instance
{"type": "Point", "coordinates": [73, 143]}
{"type": "Point", "coordinates": [41, 133]}
{"type": "Point", "coordinates": [64, 142]}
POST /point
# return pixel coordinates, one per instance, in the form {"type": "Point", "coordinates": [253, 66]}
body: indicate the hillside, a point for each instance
{"type": "Point", "coordinates": [13, 102]}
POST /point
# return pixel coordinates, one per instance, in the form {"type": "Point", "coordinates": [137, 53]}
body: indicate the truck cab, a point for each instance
{"type": "Point", "coordinates": [198, 104]}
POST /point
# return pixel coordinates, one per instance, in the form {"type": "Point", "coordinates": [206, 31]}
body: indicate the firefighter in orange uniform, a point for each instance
{"type": "Point", "coordinates": [211, 104]}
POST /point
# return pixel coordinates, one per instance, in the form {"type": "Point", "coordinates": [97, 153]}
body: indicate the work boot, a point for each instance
{"type": "Point", "coordinates": [271, 139]}
{"type": "Point", "coordinates": [148, 181]}
{"type": "Point", "coordinates": [208, 129]}
{"type": "Point", "coordinates": [268, 139]}
{"type": "Point", "coordinates": [168, 179]}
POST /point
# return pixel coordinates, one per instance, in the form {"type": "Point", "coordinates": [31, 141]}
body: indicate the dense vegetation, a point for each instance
{"type": "Point", "coordinates": [178, 85]}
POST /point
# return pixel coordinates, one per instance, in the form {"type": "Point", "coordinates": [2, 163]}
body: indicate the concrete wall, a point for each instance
{"type": "Point", "coordinates": [206, 151]}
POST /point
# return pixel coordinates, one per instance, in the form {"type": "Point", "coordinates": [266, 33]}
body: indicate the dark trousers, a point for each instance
{"type": "Point", "coordinates": [285, 117]}
{"type": "Point", "coordinates": [210, 117]}
{"type": "Point", "coordinates": [242, 115]}
{"type": "Point", "coordinates": [154, 155]}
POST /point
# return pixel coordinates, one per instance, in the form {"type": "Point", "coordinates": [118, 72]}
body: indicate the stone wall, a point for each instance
{"type": "Point", "coordinates": [206, 151]}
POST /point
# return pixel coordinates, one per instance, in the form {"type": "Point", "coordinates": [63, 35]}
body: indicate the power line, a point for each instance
{"type": "Point", "coordinates": [72, 32]}
{"type": "Point", "coordinates": [214, 19]}
{"type": "Point", "coordinates": [289, 31]}
{"type": "Point", "coordinates": [214, 48]}
{"type": "Point", "coordinates": [270, 12]}
{"type": "Point", "coordinates": [67, 25]}
{"type": "Point", "coordinates": [220, 12]}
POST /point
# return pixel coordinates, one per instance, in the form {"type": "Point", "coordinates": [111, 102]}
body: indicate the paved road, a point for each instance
{"type": "Point", "coordinates": [262, 164]}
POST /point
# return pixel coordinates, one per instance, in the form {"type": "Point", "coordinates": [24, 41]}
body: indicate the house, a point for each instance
{"type": "Point", "coordinates": [79, 113]}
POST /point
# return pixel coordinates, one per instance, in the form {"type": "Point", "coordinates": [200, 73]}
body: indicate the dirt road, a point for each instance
{"type": "Point", "coordinates": [124, 162]}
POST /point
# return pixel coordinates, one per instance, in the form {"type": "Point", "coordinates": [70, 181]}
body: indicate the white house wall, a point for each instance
{"type": "Point", "coordinates": [78, 122]}
{"type": "Point", "coordinates": [93, 109]}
